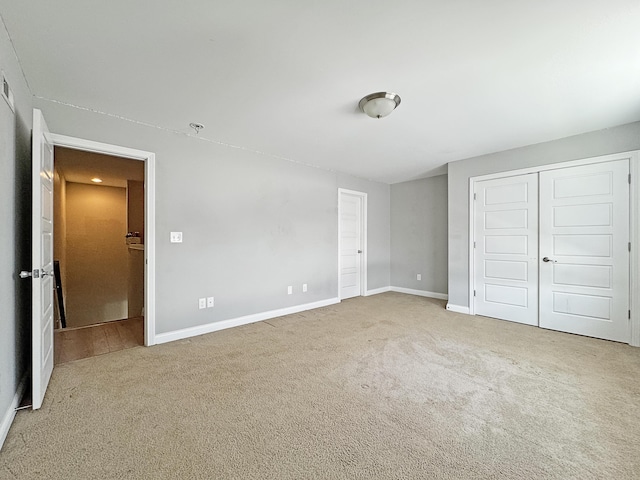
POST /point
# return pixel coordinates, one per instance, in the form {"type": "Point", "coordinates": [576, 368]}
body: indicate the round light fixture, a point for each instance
{"type": "Point", "coordinates": [96, 180]}
{"type": "Point", "coordinates": [380, 104]}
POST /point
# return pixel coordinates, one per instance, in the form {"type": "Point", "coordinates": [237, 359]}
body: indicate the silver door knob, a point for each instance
{"type": "Point", "coordinates": [547, 259]}
{"type": "Point", "coordinates": [25, 274]}
{"type": "Point", "coordinates": [359, 251]}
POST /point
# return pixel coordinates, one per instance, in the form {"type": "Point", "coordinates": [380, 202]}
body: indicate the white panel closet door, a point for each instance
{"type": "Point", "coordinates": [584, 235]}
{"type": "Point", "coordinates": [506, 249]}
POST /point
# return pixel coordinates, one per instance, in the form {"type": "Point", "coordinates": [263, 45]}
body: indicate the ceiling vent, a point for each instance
{"type": "Point", "coordinates": [7, 94]}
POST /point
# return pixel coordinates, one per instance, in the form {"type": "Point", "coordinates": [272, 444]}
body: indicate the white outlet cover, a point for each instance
{"type": "Point", "coordinates": [210, 302]}
{"type": "Point", "coordinates": [304, 287]}
{"type": "Point", "coordinates": [202, 303]}
{"type": "Point", "coordinates": [419, 276]}
{"type": "Point", "coordinates": [176, 237]}
{"type": "Point", "coordinates": [289, 290]}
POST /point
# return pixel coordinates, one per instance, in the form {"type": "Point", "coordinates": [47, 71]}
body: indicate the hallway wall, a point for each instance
{"type": "Point", "coordinates": [97, 256]}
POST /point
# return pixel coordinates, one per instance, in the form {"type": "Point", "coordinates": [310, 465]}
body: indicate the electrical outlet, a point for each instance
{"type": "Point", "coordinates": [289, 290]}
{"type": "Point", "coordinates": [304, 287]}
{"type": "Point", "coordinates": [202, 303]}
{"type": "Point", "coordinates": [209, 302]}
{"type": "Point", "coordinates": [419, 276]}
{"type": "Point", "coordinates": [176, 237]}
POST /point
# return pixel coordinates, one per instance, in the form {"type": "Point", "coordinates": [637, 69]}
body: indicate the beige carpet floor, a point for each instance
{"type": "Point", "coordinates": [385, 387]}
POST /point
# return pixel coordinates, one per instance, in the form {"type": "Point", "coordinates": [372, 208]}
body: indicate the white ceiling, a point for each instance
{"type": "Point", "coordinates": [284, 77]}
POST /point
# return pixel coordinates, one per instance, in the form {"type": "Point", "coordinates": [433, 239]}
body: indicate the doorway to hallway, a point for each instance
{"type": "Point", "coordinates": [99, 237]}
{"type": "Point", "coordinates": [42, 262]}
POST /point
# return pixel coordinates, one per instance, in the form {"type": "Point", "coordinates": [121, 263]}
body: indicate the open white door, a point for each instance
{"type": "Point", "coordinates": [42, 259]}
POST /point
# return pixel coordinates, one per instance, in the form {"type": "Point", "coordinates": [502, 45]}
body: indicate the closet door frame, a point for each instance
{"type": "Point", "coordinates": [634, 226]}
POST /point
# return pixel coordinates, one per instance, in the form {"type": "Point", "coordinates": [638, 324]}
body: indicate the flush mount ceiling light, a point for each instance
{"type": "Point", "coordinates": [96, 180]}
{"type": "Point", "coordinates": [378, 105]}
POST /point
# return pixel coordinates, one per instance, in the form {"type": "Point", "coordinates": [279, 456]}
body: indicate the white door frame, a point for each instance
{"type": "Point", "coordinates": [149, 160]}
{"type": "Point", "coordinates": [634, 224]}
{"type": "Point", "coordinates": [363, 257]}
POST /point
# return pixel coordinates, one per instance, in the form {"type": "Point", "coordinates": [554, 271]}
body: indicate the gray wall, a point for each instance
{"type": "Point", "coordinates": [612, 140]}
{"type": "Point", "coordinates": [15, 229]}
{"type": "Point", "coordinates": [252, 224]}
{"type": "Point", "coordinates": [419, 234]}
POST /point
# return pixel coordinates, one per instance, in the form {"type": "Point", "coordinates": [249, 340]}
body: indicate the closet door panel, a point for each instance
{"type": "Point", "coordinates": [506, 248]}
{"type": "Point", "coordinates": [584, 235]}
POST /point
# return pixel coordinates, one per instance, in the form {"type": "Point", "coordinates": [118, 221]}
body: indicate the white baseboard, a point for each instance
{"type": "Point", "coordinates": [420, 293]}
{"type": "Point", "coordinates": [10, 414]}
{"type": "Point", "coordinates": [235, 322]}
{"type": "Point", "coordinates": [376, 291]}
{"type": "Point", "coordinates": [457, 308]}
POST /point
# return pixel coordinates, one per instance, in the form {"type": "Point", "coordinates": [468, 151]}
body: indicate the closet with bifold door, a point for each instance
{"type": "Point", "coordinates": [551, 248]}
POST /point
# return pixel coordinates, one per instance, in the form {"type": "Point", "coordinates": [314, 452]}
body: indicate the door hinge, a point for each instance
{"type": "Point", "coordinates": [474, 293]}
{"type": "Point", "coordinates": [474, 244]}
{"type": "Point", "coordinates": [629, 244]}
{"type": "Point", "coordinates": [629, 314]}
{"type": "Point", "coordinates": [474, 196]}
{"type": "Point", "coordinates": [629, 177]}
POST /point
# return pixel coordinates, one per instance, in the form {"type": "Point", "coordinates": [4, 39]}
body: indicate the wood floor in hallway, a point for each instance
{"type": "Point", "coordinates": [83, 342]}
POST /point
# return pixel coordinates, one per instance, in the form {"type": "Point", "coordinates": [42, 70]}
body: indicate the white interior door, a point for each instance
{"type": "Point", "coordinates": [350, 207]}
{"type": "Point", "coordinates": [506, 248]}
{"type": "Point", "coordinates": [42, 259]}
{"type": "Point", "coordinates": [584, 235]}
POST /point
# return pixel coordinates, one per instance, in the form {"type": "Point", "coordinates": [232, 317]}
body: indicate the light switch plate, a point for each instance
{"type": "Point", "coordinates": [202, 303]}
{"type": "Point", "coordinates": [289, 290]}
{"type": "Point", "coordinates": [176, 237]}
{"type": "Point", "coordinates": [304, 287]}
{"type": "Point", "coordinates": [419, 276]}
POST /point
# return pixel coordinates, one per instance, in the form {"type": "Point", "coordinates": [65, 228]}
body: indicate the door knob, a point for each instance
{"type": "Point", "coordinates": [547, 259]}
{"type": "Point", "coordinates": [359, 251]}
{"type": "Point", "coordinates": [35, 274]}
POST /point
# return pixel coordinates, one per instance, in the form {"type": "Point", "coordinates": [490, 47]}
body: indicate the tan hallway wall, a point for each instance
{"type": "Point", "coordinates": [96, 254]}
